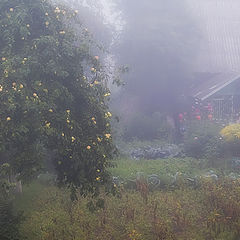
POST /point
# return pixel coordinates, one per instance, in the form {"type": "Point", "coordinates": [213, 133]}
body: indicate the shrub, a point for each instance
{"type": "Point", "coordinates": [210, 212]}
{"type": "Point", "coordinates": [231, 135]}
{"type": "Point", "coordinates": [8, 223]}
{"type": "Point", "coordinates": [202, 140]}
{"type": "Point", "coordinates": [9, 219]}
{"type": "Point", "coordinates": [145, 127]}
{"type": "Point", "coordinates": [231, 132]}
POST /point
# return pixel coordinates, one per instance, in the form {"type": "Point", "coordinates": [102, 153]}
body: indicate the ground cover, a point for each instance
{"type": "Point", "coordinates": [209, 211]}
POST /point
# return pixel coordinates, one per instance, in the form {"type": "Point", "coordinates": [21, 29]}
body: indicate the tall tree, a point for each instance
{"type": "Point", "coordinates": [53, 96]}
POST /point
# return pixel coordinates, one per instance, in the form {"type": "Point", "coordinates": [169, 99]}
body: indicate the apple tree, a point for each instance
{"type": "Point", "coordinates": [53, 96]}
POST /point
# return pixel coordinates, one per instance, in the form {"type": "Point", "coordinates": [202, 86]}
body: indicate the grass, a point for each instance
{"type": "Point", "coordinates": [210, 211]}
{"type": "Point", "coordinates": [128, 168]}
{"type": "Point", "coordinates": [25, 201]}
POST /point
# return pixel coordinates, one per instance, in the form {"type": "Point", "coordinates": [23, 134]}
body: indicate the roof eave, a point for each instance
{"type": "Point", "coordinates": [218, 89]}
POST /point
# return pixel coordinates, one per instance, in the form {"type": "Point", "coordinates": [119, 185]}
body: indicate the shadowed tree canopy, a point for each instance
{"type": "Point", "coordinates": [159, 44]}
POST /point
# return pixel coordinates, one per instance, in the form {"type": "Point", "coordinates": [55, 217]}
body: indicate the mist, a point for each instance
{"type": "Point", "coordinates": [119, 119]}
{"type": "Point", "coordinates": [158, 49]}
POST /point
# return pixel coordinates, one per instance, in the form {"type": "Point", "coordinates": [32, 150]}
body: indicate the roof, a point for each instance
{"type": "Point", "coordinates": [208, 86]}
{"type": "Point", "coordinates": [217, 60]}
{"type": "Point", "coordinates": [218, 22]}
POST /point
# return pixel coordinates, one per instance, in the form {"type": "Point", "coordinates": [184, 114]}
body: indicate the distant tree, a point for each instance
{"type": "Point", "coordinates": [53, 96]}
{"type": "Point", "coordinates": [159, 43]}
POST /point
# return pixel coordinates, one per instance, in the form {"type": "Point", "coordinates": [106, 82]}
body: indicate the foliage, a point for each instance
{"type": "Point", "coordinates": [171, 173]}
{"type": "Point", "coordinates": [9, 218]}
{"type": "Point", "coordinates": [202, 140]}
{"type": "Point", "coordinates": [231, 132]}
{"type": "Point", "coordinates": [9, 221]}
{"type": "Point", "coordinates": [231, 135]}
{"type": "Point", "coordinates": [128, 168]}
{"type": "Point", "coordinates": [209, 212]}
{"type": "Point", "coordinates": [53, 96]}
{"type": "Point", "coordinates": [5, 185]}
{"type": "Point", "coordinates": [149, 127]}
{"type": "Point", "coordinates": [222, 204]}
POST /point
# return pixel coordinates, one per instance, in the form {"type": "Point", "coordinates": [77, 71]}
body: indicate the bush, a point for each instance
{"type": "Point", "coordinates": [145, 127]}
{"type": "Point", "coordinates": [210, 212]}
{"type": "Point", "coordinates": [202, 140]}
{"type": "Point", "coordinates": [9, 221]}
{"type": "Point", "coordinates": [231, 135]}
{"type": "Point", "coordinates": [231, 132]}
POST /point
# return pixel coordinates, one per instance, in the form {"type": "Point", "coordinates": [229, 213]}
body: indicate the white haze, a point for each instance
{"type": "Point", "coordinates": [112, 24]}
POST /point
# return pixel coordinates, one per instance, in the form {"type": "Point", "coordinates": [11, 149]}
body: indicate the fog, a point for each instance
{"type": "Point", "coordinates": [159, 49]}
{"type": "Point", "coordinates": [119, 119]}
{"type": "Point", "coordinates": [169, 46]}
{"type": "Point", "coordinates": [157, 40]}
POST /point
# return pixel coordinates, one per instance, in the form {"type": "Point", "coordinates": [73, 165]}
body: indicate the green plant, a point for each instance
{"type": "Point", "coordinates": [9, 221]}
{"type": "Point", "coordinates": [209, 212]}
{"type": "Point", "coordinates": [222, 203]}
{"type": "Point", "coordinates": [53, 96]}
{"type": "Point", "coordinates": [202, 140]}
{"type": "Point", "coordinates": [148, 127]}
{"type": "Point", "coordinates": [231, 135]}
{"type": "Point", "coordinates": [231, 132]}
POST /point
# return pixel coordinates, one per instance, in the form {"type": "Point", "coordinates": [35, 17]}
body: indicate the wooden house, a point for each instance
{"type": "Point", "coordinates": [216, 67]}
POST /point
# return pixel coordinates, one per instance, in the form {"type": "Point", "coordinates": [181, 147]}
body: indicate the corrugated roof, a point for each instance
{"type": "Point", "coordinates": [209, 86]}
{"type": "Point", "coordinates": [219, 23]}
{"type": "Point", "coordinates": [219, 52]}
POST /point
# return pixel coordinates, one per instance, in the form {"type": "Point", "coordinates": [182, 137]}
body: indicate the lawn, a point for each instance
{"type": "Point", "coordinates": [127, 168]}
